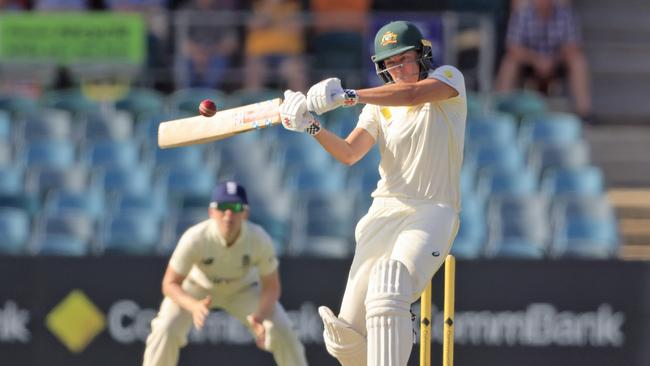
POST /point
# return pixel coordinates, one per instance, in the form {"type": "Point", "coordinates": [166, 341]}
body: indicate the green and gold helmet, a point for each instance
{"type": "Point", "coordinates": [398, 37]}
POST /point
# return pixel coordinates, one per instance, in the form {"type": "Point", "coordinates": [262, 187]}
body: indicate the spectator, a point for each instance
{"type": "Point", "coordinates": [7, 5]}
{"type": "Point", "coordinates": [340, 15]}
{"type": "Point", "coordinates": [61, 5]}
{"type": "Point", "coordinates": [275, 39]}
{"type": "Point", "coordinates": [208, 48]}
{"type": "Point", "coordinates": [543, 39]}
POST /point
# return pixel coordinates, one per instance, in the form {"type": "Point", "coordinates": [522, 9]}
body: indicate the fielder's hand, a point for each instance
{"type": "Point", "coordinates": [259, 331]}
{"type": "Point", "coordinates": [294, 114]}
{"type": "Point", "coordinates": [200, 312]}
{"type": "Point", "coordinates": [328, 94]}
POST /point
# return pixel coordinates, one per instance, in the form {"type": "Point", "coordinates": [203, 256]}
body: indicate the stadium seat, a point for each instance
{"type": "Point", "coordinates": [125, 180]}
{"type": "Point", "coordinates": [492, 128]}
{"type": "Point", "coordinates": [188, 100]}
{"type": "Point", "coordinates": [504, 157]}
{"type": "Point", "coordinates": [176, 223]}
{"type": "Point", "coordinates": [14, 230]}
{"type": "Point", "coordinates": [104, 153]}
{"type": "Point", "coordinates": [71, 100]}
{"type": "Point", "coordinates": [307, 180]}
{"type": "Point", "coordinates": [141, 103]}
{"type": "Point", "coordinates": [89, 202]}
{"type": "Point", "coordinates": [559, 155]}
{"type": "Point", "coordinates": [186, 181]}
{"type": "Point", "coordinates": [17, 106]}
{"type": "Point", "coordinates": [53, 127]}
{"type": "Point", "coordinates": [62, 245]}
{"type": "Point", "coordinates": [41, 180]}
{"type": "Point", "coordinates": [550, 128]}
{"type": "Point", "coordinates": [586, 236]}
{"type": "Point", "coordinates": [518, 217]}
{"type": "Point", "coordinates": [6, 153]}
{"type": "Point", "coordinates": [521, 103]}
{"type": "Point", "coordinates": [49, 153]}
{"type": "Point", "coordinates": [151, 203]}
{"type": "Point", "coordinates": [6, 131]}
{"type": "Point", "coordinates": [130, 234]}
{"type": "Point", "coordinates": [519, 248]}
{"type": "Point", "coordinates": [73, 224]}
{"type": "Point", "coordinates": [191, 157]}
{"type": "Point", "coordinates": [470, 240]}
{"type": "Point", "coordinates": [578, 181]}
{"type": "Point", "coordinates": [497, 182]}
{"type": "Point", "coordinates": [12, 179]}
{"type": "Point", "coordinates": [243, 97]}
{"type": "Point", "coordinates": [118, 126]}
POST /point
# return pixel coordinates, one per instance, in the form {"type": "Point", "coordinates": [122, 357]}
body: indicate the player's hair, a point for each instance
{"type": "Point", "coordinates": [424, 59]}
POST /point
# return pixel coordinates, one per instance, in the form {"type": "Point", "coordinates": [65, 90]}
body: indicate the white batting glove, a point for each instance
{"type": "Point", "coordinates": [328, 94]}
{"type": "Point", "coordinates": [294, 114]}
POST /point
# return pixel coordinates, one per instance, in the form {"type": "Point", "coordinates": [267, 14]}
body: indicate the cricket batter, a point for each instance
{"type": "Point", "coordinates": [223, 262]}
{"type": "Point", "coordinates": [418, 121]}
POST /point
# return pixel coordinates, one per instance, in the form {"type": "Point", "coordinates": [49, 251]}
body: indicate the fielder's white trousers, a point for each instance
{"type": "Point", "coordinates": [416, 233]}
{"type": "Point", "coordinates": [171, 326]}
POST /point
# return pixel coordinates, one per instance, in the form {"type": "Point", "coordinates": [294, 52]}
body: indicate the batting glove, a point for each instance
{"type": "Point", "coordinates": [295, 116]}
{"type": "Point", "coordinates": [328, 94]}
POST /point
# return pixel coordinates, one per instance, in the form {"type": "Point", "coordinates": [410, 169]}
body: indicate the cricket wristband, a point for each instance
{"type": "Point", "coordinates": [350, 97]}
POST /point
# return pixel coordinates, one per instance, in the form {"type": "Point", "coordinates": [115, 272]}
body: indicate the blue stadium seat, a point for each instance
{"type": "Point", "coordinates": [49, 153]}
{"type": "Point", "coordinates": [559, 155]}
{"type": "Point", "coordinates": [243, 97]}
{"type": "Point", "coordinates": [488, 156]}
{"type": "Point", "coordinates": [6, 153]}
{"type": "Point", "coordinates": [89, 203]}
{"type": "Point", "coordinates": [116, 127]}
{"type": "Point", "coordinates": [550, 128]}
{"type": "Point", "coordinates": [14, 230]}
{"type": "Point", "coordinates": [333, 179]}
{"type": "Point", "coordinates": [151, 203]}
{"type": "Point", "coordinates": [187, 156]}
{"type": "Point", "coordinates": [40, 180]}
{"type": "Point", "coordinates": [519, 248]}
{"type": "Point", "coordinates": [71, 100]}
{"type": "Point", "coordinates": [12, 179]}
{"type": "Point", "coordinates": [123, 153]}
{"type": "Point", "coordinates": [521, 103]}
{"type": "Point", "coordinates": [578, 181]}
{"type": "Point", "coordinates": [6, 131]}
{"type": "Point", "coordinates": [493, 128]}
{"type": "Point", "coordinates": [130, 234]}
{"type": "Point", "coordinates": [62, 245]}
{"type": "Point", "coordinates": [176, 223]}
{"type": "Point", "coordinates": [496, 182]}
{"type": "Point", "coordinates": [43, 128]}
{"type": "Point", "coordinates": [141, 103]}
{"type": "Point", "coordinates": [125, 180]}
{"type": "Point", "coordinates": [17, 106]}
{"type": "Point", "coordinates": [184, 182]}
{"type": "Point", "coordinates": [514, 217]}
{"type": "Point", "coordinates": [586, 236]}
{"type": "Point", "coordinates": [470, 240]}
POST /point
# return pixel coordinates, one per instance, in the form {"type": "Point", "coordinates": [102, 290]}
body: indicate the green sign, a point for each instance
{"type": "Point", "coordinates": [72, 38]}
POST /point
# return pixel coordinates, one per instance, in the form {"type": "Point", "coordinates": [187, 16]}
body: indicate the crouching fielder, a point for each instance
{"type": "Point", "coordinates": [229, 263]}
{"type": "Point", "coordinates": [418, 122]}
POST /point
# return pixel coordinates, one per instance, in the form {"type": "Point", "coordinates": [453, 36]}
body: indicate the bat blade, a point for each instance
{"type": "Point", "coordinates": [224, 124]}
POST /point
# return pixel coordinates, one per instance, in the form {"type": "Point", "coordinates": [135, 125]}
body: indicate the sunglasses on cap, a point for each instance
{"type": "Point", "coordinates": [235, 207]}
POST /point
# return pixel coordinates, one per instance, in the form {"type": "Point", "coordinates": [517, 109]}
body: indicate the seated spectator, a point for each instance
{"type": "Point", "coordinates": [340, 15]}
{"type": "Point", "coordinates": [61, 5]}
{"type": "Point", "coordinates": [543, 38]}
{"type": "Point", "coordinates": [208, 49]}
{"type": "Point", "coordinates": [275, 40]}
{"type": "Point", "coordinates": [7, 5]}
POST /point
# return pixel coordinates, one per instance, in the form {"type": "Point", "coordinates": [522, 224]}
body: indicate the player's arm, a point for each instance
{"type": "Point", "coordinates": [270, 294]}
{"type": "Point", "coordinates": [407, 94]}
{"type": "Point", "coordinates": [172, 288]}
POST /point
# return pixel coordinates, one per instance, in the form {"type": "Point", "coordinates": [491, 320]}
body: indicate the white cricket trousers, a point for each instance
{"type": "Point", "coordinates": [416, 233]}
{"type": "Point", "coordinates": [171, 326]}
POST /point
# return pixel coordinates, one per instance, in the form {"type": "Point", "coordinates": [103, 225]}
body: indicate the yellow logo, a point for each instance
{"type": "Point", "coordinates": [388, 38]}
{"type": "Point", "coordinates": [448, 74]}
{"type": "Point", "coordinates": [76, 321]}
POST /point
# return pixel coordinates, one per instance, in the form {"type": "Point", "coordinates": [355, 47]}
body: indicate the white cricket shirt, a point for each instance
{"type": "Point", "coordinates": [203, 256]}
{"type": "Point", "coordinates": [421, 147]}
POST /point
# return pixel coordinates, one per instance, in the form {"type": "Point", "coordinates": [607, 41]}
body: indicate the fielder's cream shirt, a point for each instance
{"type": "Point", "coordinates": [202, 255]}
{"type": "Point", "coordinates": [421, 147]}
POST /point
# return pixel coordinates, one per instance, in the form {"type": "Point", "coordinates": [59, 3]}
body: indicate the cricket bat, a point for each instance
{"type": "Point", "coordinates": [224, 124]}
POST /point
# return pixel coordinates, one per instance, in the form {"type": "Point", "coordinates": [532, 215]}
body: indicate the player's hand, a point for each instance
{"type": "Point", "coordinates": [200, 312]}
{"type": "Point", "coordinates": [294, 113]}
{"type": "Point", "coordinates": [259, 331]}
{"type": "Point", "coordinates": [325, 96]}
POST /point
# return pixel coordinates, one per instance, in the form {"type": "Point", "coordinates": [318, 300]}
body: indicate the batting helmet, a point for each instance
{"type": "Point", "coordinates": [398, 37]}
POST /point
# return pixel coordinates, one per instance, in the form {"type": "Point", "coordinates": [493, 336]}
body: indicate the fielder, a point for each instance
{"type": "Point", "coordinates": [223, 262]}
{"type": "Point", "coordinates": [418, 121]}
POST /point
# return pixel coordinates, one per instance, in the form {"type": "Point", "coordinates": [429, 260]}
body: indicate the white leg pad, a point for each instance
{"type": "Point", "coordinates": [388, 315]}
{"type": "Point", "coordinates": [341, 341]}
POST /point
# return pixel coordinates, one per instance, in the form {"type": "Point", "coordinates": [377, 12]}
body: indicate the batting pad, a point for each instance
{"type": "Point", "coordinates": [388, 316]}
{"type": "Point", "coordinates": [341, 341]}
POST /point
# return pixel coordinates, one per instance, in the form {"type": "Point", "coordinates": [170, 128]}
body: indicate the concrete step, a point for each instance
{"type": "Point", "coordinates": [633, 211]}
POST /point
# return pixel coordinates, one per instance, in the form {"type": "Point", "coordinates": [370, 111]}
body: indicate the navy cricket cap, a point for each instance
{"type": "Point", "coordinates": [229, 192]}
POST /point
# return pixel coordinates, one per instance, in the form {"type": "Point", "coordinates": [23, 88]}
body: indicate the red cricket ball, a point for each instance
{"type": "Point", "coordinates": [207, 108]}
